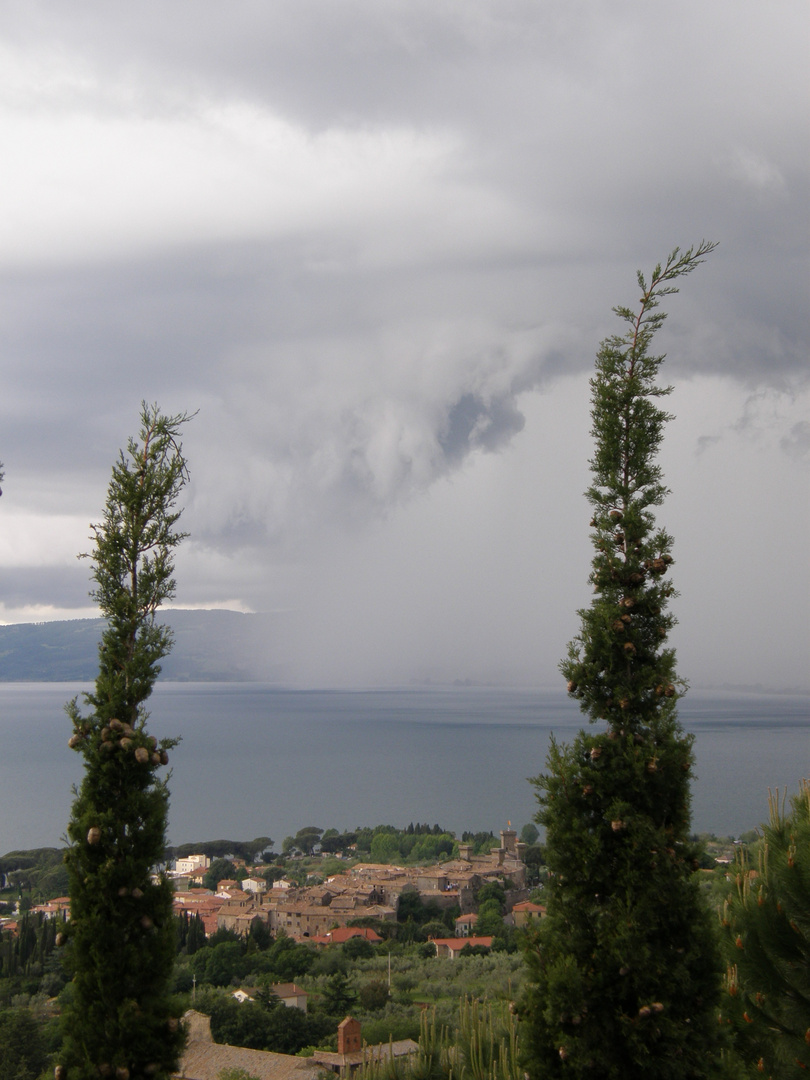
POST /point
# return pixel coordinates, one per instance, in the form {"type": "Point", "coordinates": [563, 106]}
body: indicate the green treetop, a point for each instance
{"type": "Point", "coordinates": [624, 973]}
{"type": "Point", "coordinates": [618, 666]}
{"type": "Point", "coordinates": [121, 1019]}
{"type": "Point", "coordinates": [767, 926]}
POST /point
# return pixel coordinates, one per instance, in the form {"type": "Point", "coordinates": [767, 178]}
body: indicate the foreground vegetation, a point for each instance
{"type": "Point", "coordinates": [387, 986]}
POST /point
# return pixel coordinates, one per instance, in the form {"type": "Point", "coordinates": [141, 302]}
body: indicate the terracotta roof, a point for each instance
{"type": "Point", "coordinates": [202, 1062]}
{"type": "Point", "coordinates": [343, 903]}
{"type": "Point", "coordinates": [210, 906]}
{"type": "Point", "coordinates": [345, 933]}
{"type": "Point", "coordinates": [286, 990]}
{"type": "Point", "coordinates": [210, 924]}
{"type": "Point", "coordinates": [379, 911]}
{"type": "Point", "coordinates": [457, 943]}
{"type": "Point", "coordinates": [204, 1059]}
{"type": "Point", "coordinates": [235, 907]}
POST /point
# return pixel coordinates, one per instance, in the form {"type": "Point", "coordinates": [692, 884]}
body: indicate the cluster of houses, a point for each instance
{"type": "Point", "coordinates": [322, 914]}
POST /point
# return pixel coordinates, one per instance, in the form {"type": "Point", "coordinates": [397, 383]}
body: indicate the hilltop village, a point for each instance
{"type": "Point", "coordinates": [294, 953]}
{"type": "Point", "coordinates": [324, 913]}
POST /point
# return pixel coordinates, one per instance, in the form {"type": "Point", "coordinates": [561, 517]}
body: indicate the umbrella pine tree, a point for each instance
{"type": "Point", "coordinates": [121, 1020]}
{"type": "Point", "coordinates": [624, 972]}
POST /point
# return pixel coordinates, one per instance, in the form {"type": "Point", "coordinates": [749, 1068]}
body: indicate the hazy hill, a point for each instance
{"type": "Point", "coordinates": [224, 646]}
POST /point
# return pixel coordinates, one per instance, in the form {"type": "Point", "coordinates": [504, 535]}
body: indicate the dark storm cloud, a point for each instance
{"type": "Point", "coordinates": [365, 240]}
{"type": "Point", "coordinates": [473, 423]}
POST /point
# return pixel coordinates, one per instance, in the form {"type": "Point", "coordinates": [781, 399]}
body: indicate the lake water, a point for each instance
{"type": "Point", "coordinates": [258, 761]}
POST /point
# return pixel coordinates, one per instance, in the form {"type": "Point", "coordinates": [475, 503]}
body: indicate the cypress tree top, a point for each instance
{"type": "Point", "coordinates": [618, 666]}
{"type": "Point", "coordinates": [121, 1020]}
{"type": "Point", "coordinates": [624, 973]}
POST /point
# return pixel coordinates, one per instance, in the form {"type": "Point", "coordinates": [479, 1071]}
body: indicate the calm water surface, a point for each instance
{"type": "Point", "coordinates": [255, 760]}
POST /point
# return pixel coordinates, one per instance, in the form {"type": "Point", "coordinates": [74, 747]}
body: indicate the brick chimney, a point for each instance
{"type": "Point", "coordinates": [349, 1036]}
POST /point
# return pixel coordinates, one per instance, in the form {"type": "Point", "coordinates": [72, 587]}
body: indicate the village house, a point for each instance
{"type": "Point", "coordinates": [302, 920]}
{"type": "Point", "coordinates": [254, 885]}
{"type": "Point", "coordinates": [237, 913]}
{"type": "Point", "coordinates": [465, 924]}
{"type": "Point", "coordinates": [451, 947]}
{"type": "Point", "coordinates": [191, 863]}
{"type": "Point", "coordinates": [342, 934]}
{"type": "Point", "coordinates": [60, 905]}
{"type": "Point", "coordinates": [290, 995]}
{"type": "Point", "coordinates": [523, 913]}
{"type": "Point", "coordinates": [180, 881]}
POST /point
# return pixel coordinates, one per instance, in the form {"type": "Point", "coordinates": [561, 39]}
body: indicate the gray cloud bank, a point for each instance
{"type": "Point", "coordinates": [376, 245]}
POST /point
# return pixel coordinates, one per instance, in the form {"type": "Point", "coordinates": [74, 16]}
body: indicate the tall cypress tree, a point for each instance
{"type": "Point", "coordinates": [121, 1020]}
{"type": "Point", "coordinates": [624, 971]}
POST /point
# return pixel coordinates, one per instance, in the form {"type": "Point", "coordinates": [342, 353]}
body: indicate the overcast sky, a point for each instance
{"type": "Point", "coordinates": [376, 244]}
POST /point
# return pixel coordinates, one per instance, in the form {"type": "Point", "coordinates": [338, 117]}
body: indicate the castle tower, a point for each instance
{"type": "Point", "coordinates": [508, 840]}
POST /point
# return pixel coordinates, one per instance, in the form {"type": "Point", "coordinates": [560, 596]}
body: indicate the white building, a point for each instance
{"type": "Point", "coordinates": [192, 863]}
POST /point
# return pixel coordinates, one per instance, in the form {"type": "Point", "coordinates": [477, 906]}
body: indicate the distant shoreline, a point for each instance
{"type": "Point", "coordinates": [218, 645]}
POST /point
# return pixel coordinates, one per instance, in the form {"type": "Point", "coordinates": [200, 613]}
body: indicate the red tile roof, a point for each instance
{"type": "Point", "coordinates": [456, 944]}
{"type": "Point", "coordinates": [345, 933]}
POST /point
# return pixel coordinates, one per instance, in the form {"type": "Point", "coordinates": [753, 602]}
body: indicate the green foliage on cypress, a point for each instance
{"type": "Point", "coordinates": [767, 924]}
{"type": "Point", "coordinates": [121, 1019]}
{"type": "Point", "coordinates": [623, 972]}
